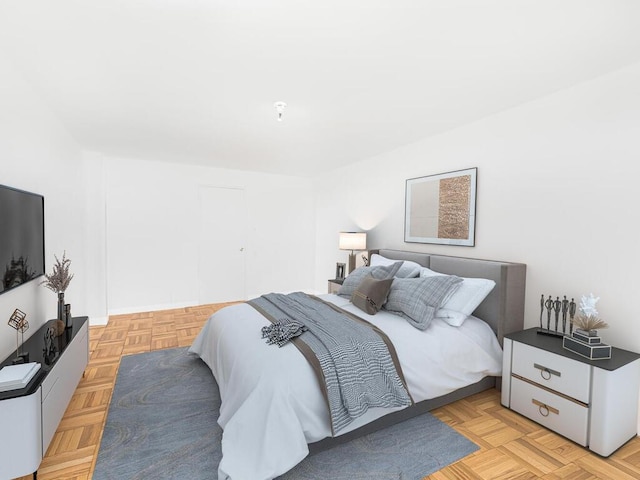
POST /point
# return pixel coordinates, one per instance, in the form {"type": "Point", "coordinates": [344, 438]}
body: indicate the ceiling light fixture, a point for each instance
{"type": "Point", "coordinates": [280, 106]}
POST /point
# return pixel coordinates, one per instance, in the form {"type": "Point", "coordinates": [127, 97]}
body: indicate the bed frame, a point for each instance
{"type": "Point", "coordinates": [503, 310]}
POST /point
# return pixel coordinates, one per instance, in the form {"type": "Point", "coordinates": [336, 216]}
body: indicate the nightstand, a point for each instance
{"type": "Point", "coordinates": [335, 284]}
{"type": "Point", "coordinates": [592, 402]}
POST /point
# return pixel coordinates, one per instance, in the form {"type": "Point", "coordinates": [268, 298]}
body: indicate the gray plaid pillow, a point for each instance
{"type": "Point", "coordinates": [417, 299]}
{"type": "Point", "coordinates": [379, 272]}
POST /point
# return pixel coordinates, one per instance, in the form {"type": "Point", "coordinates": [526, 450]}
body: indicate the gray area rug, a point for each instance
{"type": "Point", "coordinates": [162, 424]}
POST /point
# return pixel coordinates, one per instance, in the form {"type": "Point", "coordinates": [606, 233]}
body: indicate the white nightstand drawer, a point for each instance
{"type": "Point", "coordinates": [566, 417]}
{"type": "Point", "coordinates": [558, 373]}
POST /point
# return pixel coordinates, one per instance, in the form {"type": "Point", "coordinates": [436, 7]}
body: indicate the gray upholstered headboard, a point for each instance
{"type": "Point", "coordinates": [503, 309]}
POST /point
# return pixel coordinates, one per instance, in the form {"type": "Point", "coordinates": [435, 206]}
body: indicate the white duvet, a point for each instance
{"type": "Point", "coordinates": [272, 405]}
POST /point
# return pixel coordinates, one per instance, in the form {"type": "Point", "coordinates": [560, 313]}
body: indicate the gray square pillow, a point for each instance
{"type": "Point", "coordinates": [408, 269]}
{"type": "Point", "coordinates": [354, 278]}
{"type": "Point", "coordinates": [417, 299]}
{"type": "Point", "coordinates": [371, 294]}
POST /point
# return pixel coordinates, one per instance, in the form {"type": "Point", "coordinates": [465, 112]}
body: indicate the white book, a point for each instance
{"type": "Point", "coordinates": [17, 376]}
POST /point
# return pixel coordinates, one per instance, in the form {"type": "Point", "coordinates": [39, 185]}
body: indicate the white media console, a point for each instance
{"type": "Point", "coordinates": [30, 416]}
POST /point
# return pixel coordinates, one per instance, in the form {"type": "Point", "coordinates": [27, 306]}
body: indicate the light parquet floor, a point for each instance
{"type": "Point", "coordinates": [511, 446]}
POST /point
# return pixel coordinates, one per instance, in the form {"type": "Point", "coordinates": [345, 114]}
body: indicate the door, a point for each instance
{"type": "Point", "coordinates": [221, 266]}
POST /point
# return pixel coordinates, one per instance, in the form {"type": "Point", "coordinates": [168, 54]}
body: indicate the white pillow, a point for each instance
{"type": "Point", "coordinates": [453, 318]}
{"type": "Point", "coordinates": [464, 300]}
{"type": "Point", "coordinates": [408, 269]}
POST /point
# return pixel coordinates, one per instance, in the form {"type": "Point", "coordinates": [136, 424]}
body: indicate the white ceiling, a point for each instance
{"type": "Point", "coordinates": [195, 80]}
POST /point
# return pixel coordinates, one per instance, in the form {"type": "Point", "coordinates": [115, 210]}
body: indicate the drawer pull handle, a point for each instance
{"type": "Point", "coordinates": [545, 372]}
{"type": "Point", "coordinates": [544, 409]}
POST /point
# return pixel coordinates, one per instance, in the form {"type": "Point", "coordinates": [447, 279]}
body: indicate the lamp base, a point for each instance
{"type": "Point", "coordinates": [352, 262]}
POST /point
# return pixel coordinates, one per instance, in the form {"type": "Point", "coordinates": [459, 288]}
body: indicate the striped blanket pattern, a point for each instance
{"type": "Point", "coordinates": [357, 367]}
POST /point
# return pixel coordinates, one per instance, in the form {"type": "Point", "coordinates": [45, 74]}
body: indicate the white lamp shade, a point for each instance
{"type": "Point", "coordinates": [353, 241]}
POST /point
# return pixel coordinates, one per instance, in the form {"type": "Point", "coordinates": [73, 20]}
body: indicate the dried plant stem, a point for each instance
{"type": "Point", "coordinates": [589, 322]}
{"type": "Point", "coordinates": [59, 280]}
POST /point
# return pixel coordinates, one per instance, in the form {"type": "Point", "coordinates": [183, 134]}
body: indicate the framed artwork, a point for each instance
{"type": "Point", "coordinates": [340, 271]}
{"type": "Point", "coordinates": [441, 208]}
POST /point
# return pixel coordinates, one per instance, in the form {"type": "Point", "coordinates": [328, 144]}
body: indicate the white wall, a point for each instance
{"type": "Point", "coordinates": [557, 190]}
{"type": "Point", "coordinates": [38, 155]}
{"type": "Point", "coordinates": [148, 214]}
{"type": "Point", "coordinates": [127, 224]}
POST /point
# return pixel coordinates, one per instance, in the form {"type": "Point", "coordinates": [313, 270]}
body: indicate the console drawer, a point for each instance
{"type": "Point", "coordinates": [62, 382]}
{"type": "Point", "coordinates": [553, 371]}
{"type": "Point", "coordinates": [557, 413]}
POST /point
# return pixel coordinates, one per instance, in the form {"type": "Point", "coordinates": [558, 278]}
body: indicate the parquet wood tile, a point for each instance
{"type": "Point", "coordinates": [511, 446]}
{"type": "Point", "coordinates": [490, 430]}
{"type": "Point", "coordinates": [110, 351]}
{"type": "Point", "coordinates": [457, 471]}
{"type": "Point", "coordinates": [560, 446]}
{"type": "Point", "coordinates": [513, 419]}
{"type": "Point", "coordinates": [113, 335]}
{"type": "Point", "coordinates": [494, 464]}
{"type": "Point", "coordinates": [137, 342]}
{"type": "Point", "coordinates": [159, 342]}
{"type": "Point", "coordinates": [570, 472]}
{"type": "Point", "coordinates": [459, 412]}
{"type": "Point", "coordinates": [141, 324]}
{"type": "Point", "coordinates": [608, 468]}
{"type": "Point", "coordinates": [534, 456]}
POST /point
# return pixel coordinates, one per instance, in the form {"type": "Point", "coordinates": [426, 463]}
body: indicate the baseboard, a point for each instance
{"type": "Point", "coordinates": [152, 308]}
{"type": "Point", "coordinates": [98, 321]}
{"type": "Point", "coordinates": [166, 306]}
{"type": "Point", "coordinates": [310, 291]}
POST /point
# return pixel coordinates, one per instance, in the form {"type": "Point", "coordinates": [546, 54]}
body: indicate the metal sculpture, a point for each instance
{"type": "Point", "coordinates": [18, 321]}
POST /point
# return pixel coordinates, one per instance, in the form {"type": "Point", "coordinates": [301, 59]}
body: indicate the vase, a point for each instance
{"type": "Point", "coordinates": [67, 315]}
{"type": "Point", "coordinates": [61, 307]}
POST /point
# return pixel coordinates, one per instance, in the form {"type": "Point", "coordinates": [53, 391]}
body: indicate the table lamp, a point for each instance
{"type": "Point", "coordinates": [353, 241]}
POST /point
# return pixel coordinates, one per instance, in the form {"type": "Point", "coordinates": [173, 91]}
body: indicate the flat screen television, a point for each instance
{"type": "Point", "coordinates": [21, 237]}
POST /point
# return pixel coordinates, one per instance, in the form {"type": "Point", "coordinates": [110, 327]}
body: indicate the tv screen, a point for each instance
{"type": "Point", "coordinates": [21, 237]}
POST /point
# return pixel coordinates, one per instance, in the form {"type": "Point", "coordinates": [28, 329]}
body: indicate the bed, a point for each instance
{"type": "Point", "coordinates": [273, 412]}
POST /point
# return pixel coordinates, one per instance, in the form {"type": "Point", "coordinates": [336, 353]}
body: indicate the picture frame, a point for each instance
{"type": "Point", "coordinates": [441, 208]}
{"type": "Point", "coordinates": [340, 269]}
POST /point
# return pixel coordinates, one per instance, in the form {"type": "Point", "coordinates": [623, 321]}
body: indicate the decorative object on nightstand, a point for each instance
{"type": "Point", "coordinates": [584, 340]}
{"type": "Point", "coordinates": [58, 281]}
{"type": "Point", "coordinates": [18, 321]}
{"type": "Point", "coordinates": [340, 270]}
{"type": "Point", "coordinates": [354, 241]}
{"type": "Point", "coordinates": [572, 314]}
{"type": "Point", "coordinates": [555, 307]}
{"type": "Point", "coordinates": [335, 284]}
